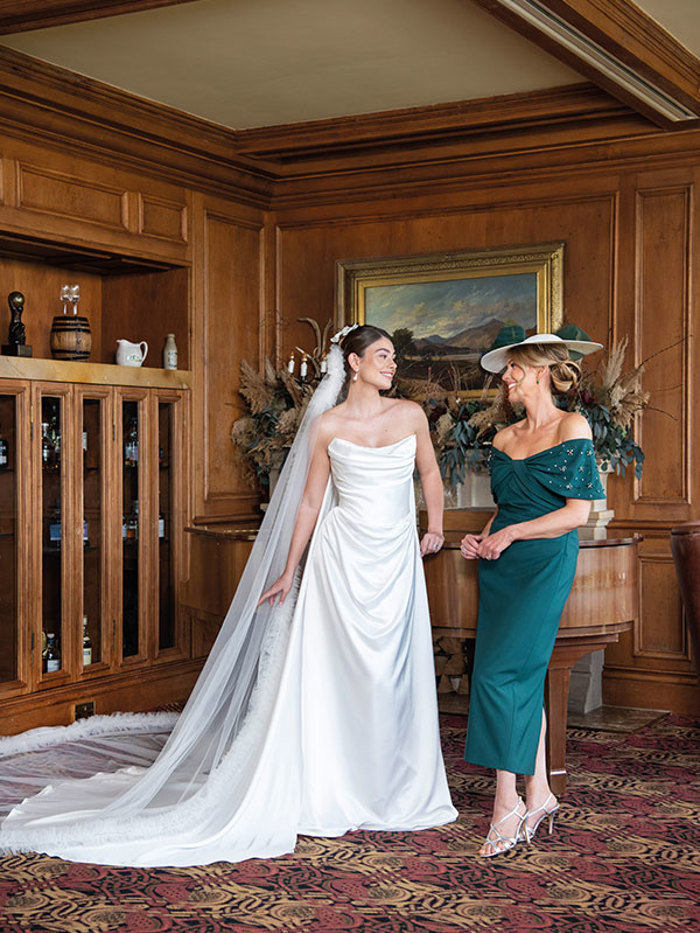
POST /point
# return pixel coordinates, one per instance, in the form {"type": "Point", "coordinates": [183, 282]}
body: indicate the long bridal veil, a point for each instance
{"type": "Point", "coordinates": [207, 754]}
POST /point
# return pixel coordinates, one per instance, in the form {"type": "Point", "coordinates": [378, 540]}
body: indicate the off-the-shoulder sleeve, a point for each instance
{"type": "Point", "coordinates": [571, 470]}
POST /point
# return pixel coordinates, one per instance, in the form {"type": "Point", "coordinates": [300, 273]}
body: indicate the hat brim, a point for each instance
{"type": "Point", "coordinates": [495, 361]}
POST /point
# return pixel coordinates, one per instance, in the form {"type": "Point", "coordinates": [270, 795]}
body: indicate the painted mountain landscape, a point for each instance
{"type": "Point", "coordinates": [441, 329]}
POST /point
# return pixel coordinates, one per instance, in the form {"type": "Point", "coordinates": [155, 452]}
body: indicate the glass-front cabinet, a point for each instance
{"type": "Point", "coordinates": [95, 412]}
{"type": "Point", "coordinates": [135, 455]}
{"type": "Point", "coordinates": [57, 522]}
{"type": "Point", "coordinates": [91, 521]}
{"type": "Point", "coordinates": [14, 446]}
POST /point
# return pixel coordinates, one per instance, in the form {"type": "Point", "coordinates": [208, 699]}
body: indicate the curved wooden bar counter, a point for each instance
{"type": "Point", "coordinates": [603, 603]}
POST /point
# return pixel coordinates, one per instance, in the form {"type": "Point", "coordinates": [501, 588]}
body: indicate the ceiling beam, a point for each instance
{"type": "Point", "coordinates": [25, 15]}
{"type": "Point", "coordinates": [619, 47]}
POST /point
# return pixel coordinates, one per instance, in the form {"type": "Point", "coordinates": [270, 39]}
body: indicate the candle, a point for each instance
{"type": "Point", "coordinates": [290, 364]}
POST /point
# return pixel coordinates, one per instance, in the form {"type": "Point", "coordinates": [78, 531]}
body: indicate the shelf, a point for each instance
{"type": "Point", "coordinates": [108, 374]}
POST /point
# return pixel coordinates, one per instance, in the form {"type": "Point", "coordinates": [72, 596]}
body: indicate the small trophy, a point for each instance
{"type": "Point", "coordinates": [16, 345]}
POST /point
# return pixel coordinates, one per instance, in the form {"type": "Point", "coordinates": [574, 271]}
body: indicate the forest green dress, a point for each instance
{"type": "Point", "coordinates": [521, 598]}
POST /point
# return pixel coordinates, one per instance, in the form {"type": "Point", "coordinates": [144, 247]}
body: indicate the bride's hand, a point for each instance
{"type": "Point", "coordinates": [431, 543]}
{"type": "Point", "coordinates": [280, 588]}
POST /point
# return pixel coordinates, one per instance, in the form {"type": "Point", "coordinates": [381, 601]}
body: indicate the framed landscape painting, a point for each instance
{"type": "Point", "coordinates": [446, 310]}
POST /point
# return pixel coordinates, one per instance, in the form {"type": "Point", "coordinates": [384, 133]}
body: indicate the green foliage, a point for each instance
{"type": "Point", "coordinates": [459, 444]}
{"type": "Point", "coordinates": [614, 444]}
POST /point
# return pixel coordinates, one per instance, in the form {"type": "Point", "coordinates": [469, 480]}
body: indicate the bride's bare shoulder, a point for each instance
{"type": "Point", "coordinates": [405, 410]}
{"type": "Point", "coordinates": [329, 422]}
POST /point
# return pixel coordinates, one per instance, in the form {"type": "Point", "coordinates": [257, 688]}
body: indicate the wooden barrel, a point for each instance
{"type": "Point", "coordinates": [70, 337]}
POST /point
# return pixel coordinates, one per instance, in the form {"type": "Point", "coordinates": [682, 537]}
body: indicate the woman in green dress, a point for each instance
{"type": "Point", "coordinates": [543, 476]}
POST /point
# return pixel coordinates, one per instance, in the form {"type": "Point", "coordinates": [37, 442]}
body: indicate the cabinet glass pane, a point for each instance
{"type": "Point", "coordinates": [8, 538]}
{"type": "Point", "coordinates": [166, 593]}
{"type": "Point", "coordinates": [93, 511]}
{"type": "Point", "coordinates": [131, 430]}
{"type": "Point", "coordinates": [53, 532]}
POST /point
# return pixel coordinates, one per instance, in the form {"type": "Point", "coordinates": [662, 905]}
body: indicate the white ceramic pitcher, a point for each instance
{"type": "Point", "coordinates": [131, 354]}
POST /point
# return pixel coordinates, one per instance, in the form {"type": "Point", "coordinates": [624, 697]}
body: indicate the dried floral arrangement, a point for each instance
{"type": "Point", "coordinates": [276, 401]}
{"type": "Point", "coordinates": [462, 428]}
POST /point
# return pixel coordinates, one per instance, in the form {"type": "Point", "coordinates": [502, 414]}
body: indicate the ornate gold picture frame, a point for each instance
{"type": "Point", "coordinates": [445, 310]}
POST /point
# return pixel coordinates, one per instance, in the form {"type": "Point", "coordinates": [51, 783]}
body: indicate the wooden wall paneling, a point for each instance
{"type": "Point", "coordinates": [664, 250]}
{"type": "Point", "coordinates": [162, 218]}
{"type": "Point", "coordinates": [229, 316]}
{"type": "Point", "coordinates": [662, 635]}
{"type": "Point", "coordinates": [61, 195]}
{"type": "Point", "coordinates": [147, 306]}
{"type": "Point", "coordinates": [127, 691]}
{"type": "Point", "coordinates": [601, 225]}
{"type": "Point", "coordinates": [216, 566]}
{"type": "Point", "coordinates": [40, 283]}
{"type": "Point", "coordinates": [65, 197]}
{"type": "Point", "coordinates": [308, 251]}
{"type": "Point", "coordinates": [117, 130]}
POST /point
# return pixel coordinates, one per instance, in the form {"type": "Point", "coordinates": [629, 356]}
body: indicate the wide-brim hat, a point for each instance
{"type": "Point", "coordinates": [495, 361]}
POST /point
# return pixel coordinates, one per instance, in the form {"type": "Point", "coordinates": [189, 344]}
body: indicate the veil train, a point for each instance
{"type": "Point", "coordinates": [160, 798]}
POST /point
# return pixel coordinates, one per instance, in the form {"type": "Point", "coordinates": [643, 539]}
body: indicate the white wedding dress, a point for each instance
{"type": "Point", "coordinates": [341, 730]}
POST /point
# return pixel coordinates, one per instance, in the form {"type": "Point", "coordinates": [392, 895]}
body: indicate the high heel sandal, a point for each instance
{"type": "Point", "coordinates": [546, 814]}
{"type": "Point", "coordinates": [500, 843]}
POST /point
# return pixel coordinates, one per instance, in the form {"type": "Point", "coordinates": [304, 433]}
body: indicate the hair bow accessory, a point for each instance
{"type": "Point", "coordinates": [343, 332]}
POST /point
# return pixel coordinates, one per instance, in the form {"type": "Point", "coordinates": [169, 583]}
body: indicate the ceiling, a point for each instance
{"type": "Point", "coordinates": [255, 63]}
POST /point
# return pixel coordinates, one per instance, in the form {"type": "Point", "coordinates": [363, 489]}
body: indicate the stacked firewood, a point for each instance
{"type": "Point", "coordinates": [451, 669]}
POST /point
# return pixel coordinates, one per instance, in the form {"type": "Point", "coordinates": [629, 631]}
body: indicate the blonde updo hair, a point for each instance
{"type": "Point", "coordinates": [564, 373]}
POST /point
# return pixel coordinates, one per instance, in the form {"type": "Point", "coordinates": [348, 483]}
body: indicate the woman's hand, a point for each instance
{"type": "Point", "coordinates": [431, 543]}
{"type": "Point", "coordinates": [492, 546]}
{"type": "Point", "coordinates": [469, 546]}
{"type": "Point", "coordinates": [280, 588]}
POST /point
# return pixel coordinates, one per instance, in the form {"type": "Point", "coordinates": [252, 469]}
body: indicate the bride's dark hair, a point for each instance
{"type": "Point", "coordinates": [358, 340]}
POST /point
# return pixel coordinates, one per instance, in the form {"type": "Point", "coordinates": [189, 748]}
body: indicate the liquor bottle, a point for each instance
{"type": "Point", "coordinates": [85, 533]}
{"type": "Point", "coordinates": [84, 442]}
{"type": "Point", "coordinates": [47, 449]}
{"type": "Point", "coordinates": [4, 455]}
{"type": "Point", "coordinates": [53, 655]}
{"type": "Point", "coordinates": [170, 352]}
{"type": "Point", "coordinates": [161, 525]}
{"type": "Point", "coordinates": [131, 444]}
{"type": "Point", "coordinates": [55, 437]}
{"type": "Point", "coordinates": [132, 522]}
{"type": "Point", "coordinates": [87, 644]}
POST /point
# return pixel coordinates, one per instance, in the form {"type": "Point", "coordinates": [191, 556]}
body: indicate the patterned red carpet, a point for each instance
{"type": "Point", "coordinates": [624, 857]}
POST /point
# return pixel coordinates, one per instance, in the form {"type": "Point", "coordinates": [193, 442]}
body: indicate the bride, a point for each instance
{"type": "Point", "coordinates": [316, 710]}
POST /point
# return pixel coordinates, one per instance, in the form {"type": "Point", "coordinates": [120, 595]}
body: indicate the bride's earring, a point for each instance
{"type": "Point", "coordinates": [354, 378]}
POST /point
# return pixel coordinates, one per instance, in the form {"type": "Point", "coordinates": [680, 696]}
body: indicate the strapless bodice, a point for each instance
{"type": "Point", "coordinates": [374, 485]}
